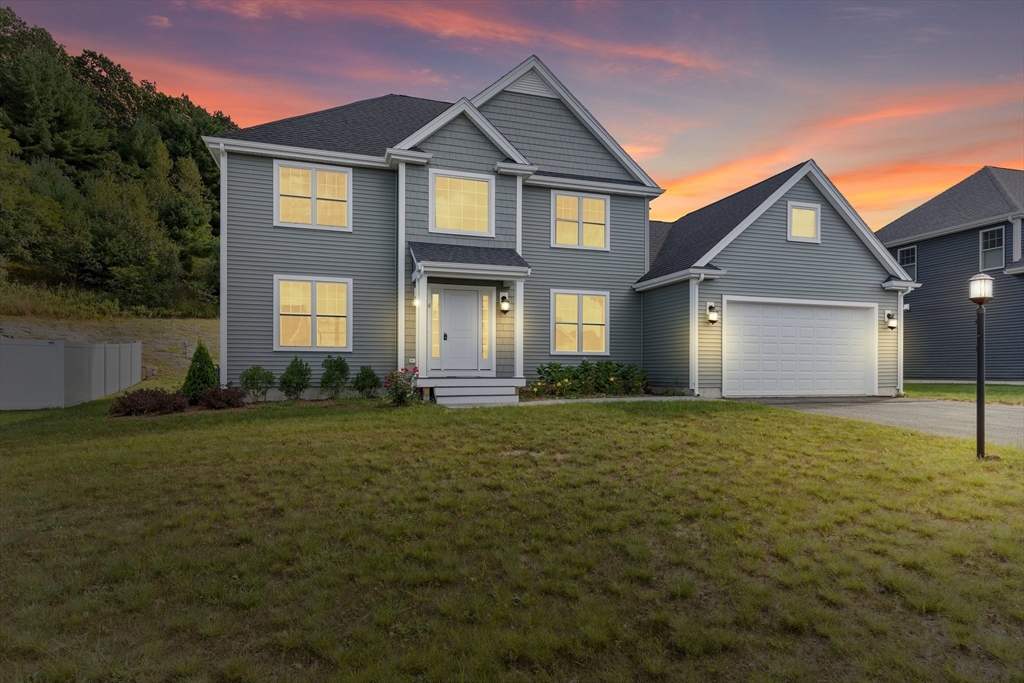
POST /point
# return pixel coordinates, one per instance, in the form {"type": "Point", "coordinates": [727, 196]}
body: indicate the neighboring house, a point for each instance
{"type": "Point", "coordinates": [974, 226]}
{"type": "Point", "coordinates": [475, 240]}
{"type": "Point", "coordinates": [799, 289]}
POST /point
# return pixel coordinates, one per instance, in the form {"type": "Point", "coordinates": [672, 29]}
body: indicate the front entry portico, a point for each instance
{"type": "Point", "coordinates": [460, 327]}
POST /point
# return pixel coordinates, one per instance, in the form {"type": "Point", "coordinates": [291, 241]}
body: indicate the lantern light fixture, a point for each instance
{"type": "Point", "coordinates": [891, 320]}
{"type": "Point", "coordinates": [981, 289]}
{"type": "Point", "coordinates": [712, 313]}
{"type": "Point", "coordinates": [504, 304]}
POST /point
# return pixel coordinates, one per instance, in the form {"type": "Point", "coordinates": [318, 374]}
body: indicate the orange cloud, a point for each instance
{"type": "Point", "coordinates": [949, 97]}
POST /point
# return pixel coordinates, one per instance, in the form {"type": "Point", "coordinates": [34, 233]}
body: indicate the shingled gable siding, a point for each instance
{"type": "Point", "coordinates": [666, 330]}
{"type": "Point", "coordinates": [939, 330]}
{"type": "Point", "coordinates": [257, 251]}
{"type": "Point", "coordinates": [761, 262]}
{"type": "Point", "coordinates": [459, 146]}
{"type": "Point", "coordinates": [613, 271]}
{"type": "Point", "coordinates": [551, 136]}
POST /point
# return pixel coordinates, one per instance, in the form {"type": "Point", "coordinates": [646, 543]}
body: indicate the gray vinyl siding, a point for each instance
{"type": "Point", "coordinates": [551, 136]}
{"type": "Point", "coordinates": [666, 335]}
{"type": "Point", "coordinates": [761, 262]}
{"type": "Point", "coordinates": [555, 268]}
{"type": "Point", "coordinates": [939, 328]}
{"type": "Point", "coordinates": [256, 251]}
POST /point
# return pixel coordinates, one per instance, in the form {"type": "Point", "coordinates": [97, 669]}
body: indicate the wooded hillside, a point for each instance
{"type": "Point", "coordinates": [105, 183]}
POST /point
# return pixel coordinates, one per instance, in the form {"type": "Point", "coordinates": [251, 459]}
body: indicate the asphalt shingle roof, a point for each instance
{"type": "Point", "coordinates": [992, 192]}
{"type": "Point", "coordinates": [657, 232]}
{"type": "Point", "coordinates": [457, 253]}
{"type": "Point", "coordinates": [694, 235]}
{"type": "Point", "coordinates": [364, 127]}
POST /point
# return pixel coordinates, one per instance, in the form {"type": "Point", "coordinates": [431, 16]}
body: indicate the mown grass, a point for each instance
{"type": "Point", "coordinates": [1011, 394]}
{"type": "Point", "coordinates": [591, 542]}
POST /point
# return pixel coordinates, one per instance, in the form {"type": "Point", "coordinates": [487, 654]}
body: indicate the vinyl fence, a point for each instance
{"type": "Point", "coordinates": [54, 373]}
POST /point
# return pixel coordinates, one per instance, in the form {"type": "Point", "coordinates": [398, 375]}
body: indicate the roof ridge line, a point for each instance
{"type": "Point", "coordinates": [1002, 188]}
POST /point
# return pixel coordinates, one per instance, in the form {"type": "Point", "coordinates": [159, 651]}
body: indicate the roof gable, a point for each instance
{"type": "Point", "coordinates": [533, 77]}
{"type": "Point", "coordinates": [464, 108]}
{"type": "Point", "coordinates": [989, 195]}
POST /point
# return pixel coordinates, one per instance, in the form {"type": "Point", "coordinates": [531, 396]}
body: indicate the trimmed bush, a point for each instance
{"type": "Point", "coordinates": [366, 382]}
{"type": "Point", "coordinates": [219, 398]}
{"type": "Point", "coordinates": [295, 379]}
{"type": "Point", "coordinates": [201, 375]}
{"type": "Point", "coordinates": [335, 376]}
{"type": "Point", "coordinates": [256, 382]}
{"type": "Point", "coordinates": [400, 386]}
{"type": "Point", "coordinates": [589, 379]}
{"type": "Point", "coordinates": [149, 402]}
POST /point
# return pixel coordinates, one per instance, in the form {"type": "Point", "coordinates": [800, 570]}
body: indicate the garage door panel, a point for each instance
{"type": "Point", "coordinates": [795, 349]}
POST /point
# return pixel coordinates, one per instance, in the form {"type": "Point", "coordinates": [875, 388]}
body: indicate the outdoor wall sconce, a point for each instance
{"type": "Point", "coordinates": [712, 313]}
{"type": "Point", "coordinates": [504, 304]}
{"type": "Point", "coordinates": [416, 302]}
{"type": "Point", "coordinates": [891, 321]}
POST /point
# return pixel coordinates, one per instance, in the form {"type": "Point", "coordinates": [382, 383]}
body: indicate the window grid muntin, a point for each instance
{"type": "Point", "coordinates": [576, 319]}
{"type": "Point", "coordinates": [992, 244]}
{"type": "Point", "coordinates": [301, 296]}
{"type": "Point", "coordinates": [443, 214]}
{"type": "Point", "coordinates": [584, 217]}
{"type": "Point", "coordinates": [337, 206]}
{"type": "Point", "coordinates": [907, 258]}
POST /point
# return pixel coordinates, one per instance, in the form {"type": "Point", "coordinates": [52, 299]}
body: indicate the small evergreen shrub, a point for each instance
{"type": "Point", "coordinates": [149, 402]}
{"type": "Point", "coordinates": [588, 379]}
{"type": "Point", "coordinates": [295, 379]}
{"type": "Point", "coordinates": [256, 382]}
{"type": "Point", "coordinates": [219, 398]}
{"type": "Point", "coordinates": [335, 376]}
{"type": "Point", "coordinates": [201, 375]}
{"type": "Point", "coordinates": [400, 386]}
{"type": "Point", "coordinates": [366, 382]}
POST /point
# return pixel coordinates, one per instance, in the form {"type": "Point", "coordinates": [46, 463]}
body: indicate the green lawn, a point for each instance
{"type": "Point", "coordinates": [1012, 394]}
{"type": "Point", "coordinates": [601, 542]}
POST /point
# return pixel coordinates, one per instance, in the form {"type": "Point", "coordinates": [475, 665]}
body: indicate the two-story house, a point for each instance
{"type": "Point", "coordinates": [473, 240]}
{"type": "Point", "coordinates": [973, 227]}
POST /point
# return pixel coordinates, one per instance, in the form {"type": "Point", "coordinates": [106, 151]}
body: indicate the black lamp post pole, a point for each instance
{"type": "Point", "coordinates": [981, 383]}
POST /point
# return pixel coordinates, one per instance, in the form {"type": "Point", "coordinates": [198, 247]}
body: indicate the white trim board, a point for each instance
{"type": "Point", "coordinates": [222, 162]}
{"type": "Point", "coordinates": [313, 169]}
{"type": "Point", "coordinates": [468, 271]}
{"type": "Point", "coordinates": [465, 107]}
{"type": "Point", "coordinates": [214, 143]}
{"type": "Point", "coordinates": [432, 174]}
{"type": "Point", "coordinates": [575, 106]}
{"type": "Point", "coordinates": [593, 186]}
{"type": "Point", "coordinates": [313, 280]}
{"type": "Point", "coordinates": [679, 276]}
{"type": "Point", "coordinates": [920, 237]}
{"type": "Point", "coordinates": [816, 208]}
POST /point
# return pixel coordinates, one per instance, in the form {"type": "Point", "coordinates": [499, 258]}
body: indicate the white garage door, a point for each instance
{"type": "Point", "coordinates": [774, 349]}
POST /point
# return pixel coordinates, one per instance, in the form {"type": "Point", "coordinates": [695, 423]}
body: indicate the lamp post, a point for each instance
{"type": "Point", "coordinates": [981, 294]}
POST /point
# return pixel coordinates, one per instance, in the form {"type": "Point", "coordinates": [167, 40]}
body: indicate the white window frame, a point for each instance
{"type": "Point", "coordinates": [431, 227]}
{"type": "Point", "coordinates": [899, 253]}
{"type": "Point", "coordinates": [982, 250]}
{"type": "Point", "coordinates": [817, 222]}
{"type": "Point", "coordinates": [579, 322]}
{"type": "Point", "coordinates": [485, 367]}
{"type": "Point", "coordinates": [312, 279]}
{"type": "Point", "coordinates": [582, 195]}
{"type": "Point", "coordinates": [313, 168]}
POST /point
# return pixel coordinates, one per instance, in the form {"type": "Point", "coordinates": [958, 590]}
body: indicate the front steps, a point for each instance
{"type": "Point", "coordinates": [473, 391]}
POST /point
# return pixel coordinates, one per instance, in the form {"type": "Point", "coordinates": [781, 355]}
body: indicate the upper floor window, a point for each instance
{"type": "Point", "coordinates": [579, 220]}
{"type": "Point", "coordinates": [461, 203]}
{"type": "Point", "coordinates": [907, 256]}
{"type": "Point", "coordinates": [803, 222]}
{"type": "Point", "coordinates": [311, 196]}
{"type": "Point", "coordinates": [579, 322]}
{"type": "Point", "coordinates": [312, 313]}
{"type": "Point", "coordinates": [992, 253]}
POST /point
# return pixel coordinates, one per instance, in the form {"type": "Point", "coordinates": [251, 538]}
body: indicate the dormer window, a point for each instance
{"type": "Point", "coordinates": [803, 222]}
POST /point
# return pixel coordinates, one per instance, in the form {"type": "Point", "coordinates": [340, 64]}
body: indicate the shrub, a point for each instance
{"type": "Point", "coordinates": [256, 382]}
{"type": "Point", "coordinates": [335, 376]}
{"type": "Point", "coordinates": [588, 379]}
{"type": "Point", "coordinates": [201, 374]}
{"type": "Point", "coordinates": [295, 379]}
{"type": "Point", "coordinates": [400, 386]}
{"type": "Point", "coordinates": [366, 382]}
{"type": "Point", "coordinates": [219, 398]}
{"type": "Point", "coordinates": [149, 402]}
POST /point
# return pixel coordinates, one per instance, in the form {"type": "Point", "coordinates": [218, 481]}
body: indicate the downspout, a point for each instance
{"type": "Point", "coordinates": [899, 342]}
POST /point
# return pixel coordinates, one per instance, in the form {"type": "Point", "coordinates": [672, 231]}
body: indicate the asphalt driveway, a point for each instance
{"type": "Point", "coordinates": [1004, 424]}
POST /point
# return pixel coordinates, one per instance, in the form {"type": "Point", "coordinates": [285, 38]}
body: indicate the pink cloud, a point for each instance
{"type": "Point", "coordinates": [158, 21]}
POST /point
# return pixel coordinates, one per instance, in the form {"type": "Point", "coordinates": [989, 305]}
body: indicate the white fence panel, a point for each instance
{"type": "Point", "coordinates": [97, 377]}
{"type": "Point", "coordinates": [112, 369]}
{"type": "Point", "coordinates": [76, 373]}
{"type": "Point", "coordinates": [31, 373]}
{"type": "Point", "coordinates": [136, 362]}
{"type": "Point", "coordinates": [125, 364]}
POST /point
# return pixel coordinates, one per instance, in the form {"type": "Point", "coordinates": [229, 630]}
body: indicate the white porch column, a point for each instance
{"type": "Point", "coordinates": [518, 322]}
{"type": "Point", "coordinates": [401, 265]}
{"type": "Point", "coordinates": [422, 311]}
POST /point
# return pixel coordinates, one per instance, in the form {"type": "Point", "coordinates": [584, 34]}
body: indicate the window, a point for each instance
{"type": "Point", "coordinates": [309, 196]}
{"type": "Point", "coordinates": [992, 255]}
{"type": "Point", "coordinates": [579, 220]}
{"type": "Point", "coordinates": [461, 203]}
{"type": "Point", "coordinates": [907, 256]}
{"type": "Point", "coordinates": [312, 313]}
{"type": "Point", "coordinates": [579, 322]}
{"type": "Point", "coordinates": [803, 222]}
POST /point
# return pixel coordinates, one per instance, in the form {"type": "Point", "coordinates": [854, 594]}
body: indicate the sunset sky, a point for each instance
{"type": "Point", "coordinates": [895, 101]}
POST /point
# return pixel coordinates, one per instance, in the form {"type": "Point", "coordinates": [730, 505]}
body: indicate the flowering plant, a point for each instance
{"type": "Point", "coordinates": [400, 386]}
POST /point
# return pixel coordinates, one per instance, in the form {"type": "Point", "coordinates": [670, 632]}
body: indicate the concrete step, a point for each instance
{"type": "Point", "coordinates": [488, 400]}
{"type": "Point", "coordinates": [474, 391]}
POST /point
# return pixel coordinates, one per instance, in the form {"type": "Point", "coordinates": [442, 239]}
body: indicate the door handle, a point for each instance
{"type": "Point", "coordinates": [446, 336]}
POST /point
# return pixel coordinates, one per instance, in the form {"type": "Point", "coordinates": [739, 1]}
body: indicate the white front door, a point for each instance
{"type": "Point", "coordinates": [460, 329]}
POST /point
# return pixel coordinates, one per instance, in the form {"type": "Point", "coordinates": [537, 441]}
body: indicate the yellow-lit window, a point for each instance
{"type": "Point", "coordinates": [803, 223]}
{"type": "Point", "coordinates": [296, 311]}
{"type": "Point", "coordinates": [332, 314]}
{"type": "Point", "coordinates": [581, 221]}
{"type": "Point", "coordinates": [313, 314]}
{"type": "Point", "coordinates": [462, 204]}
{"type": "Point", "coordinates": [312, 196]}
{"type": "Point", "coordinates": [580, 323]}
